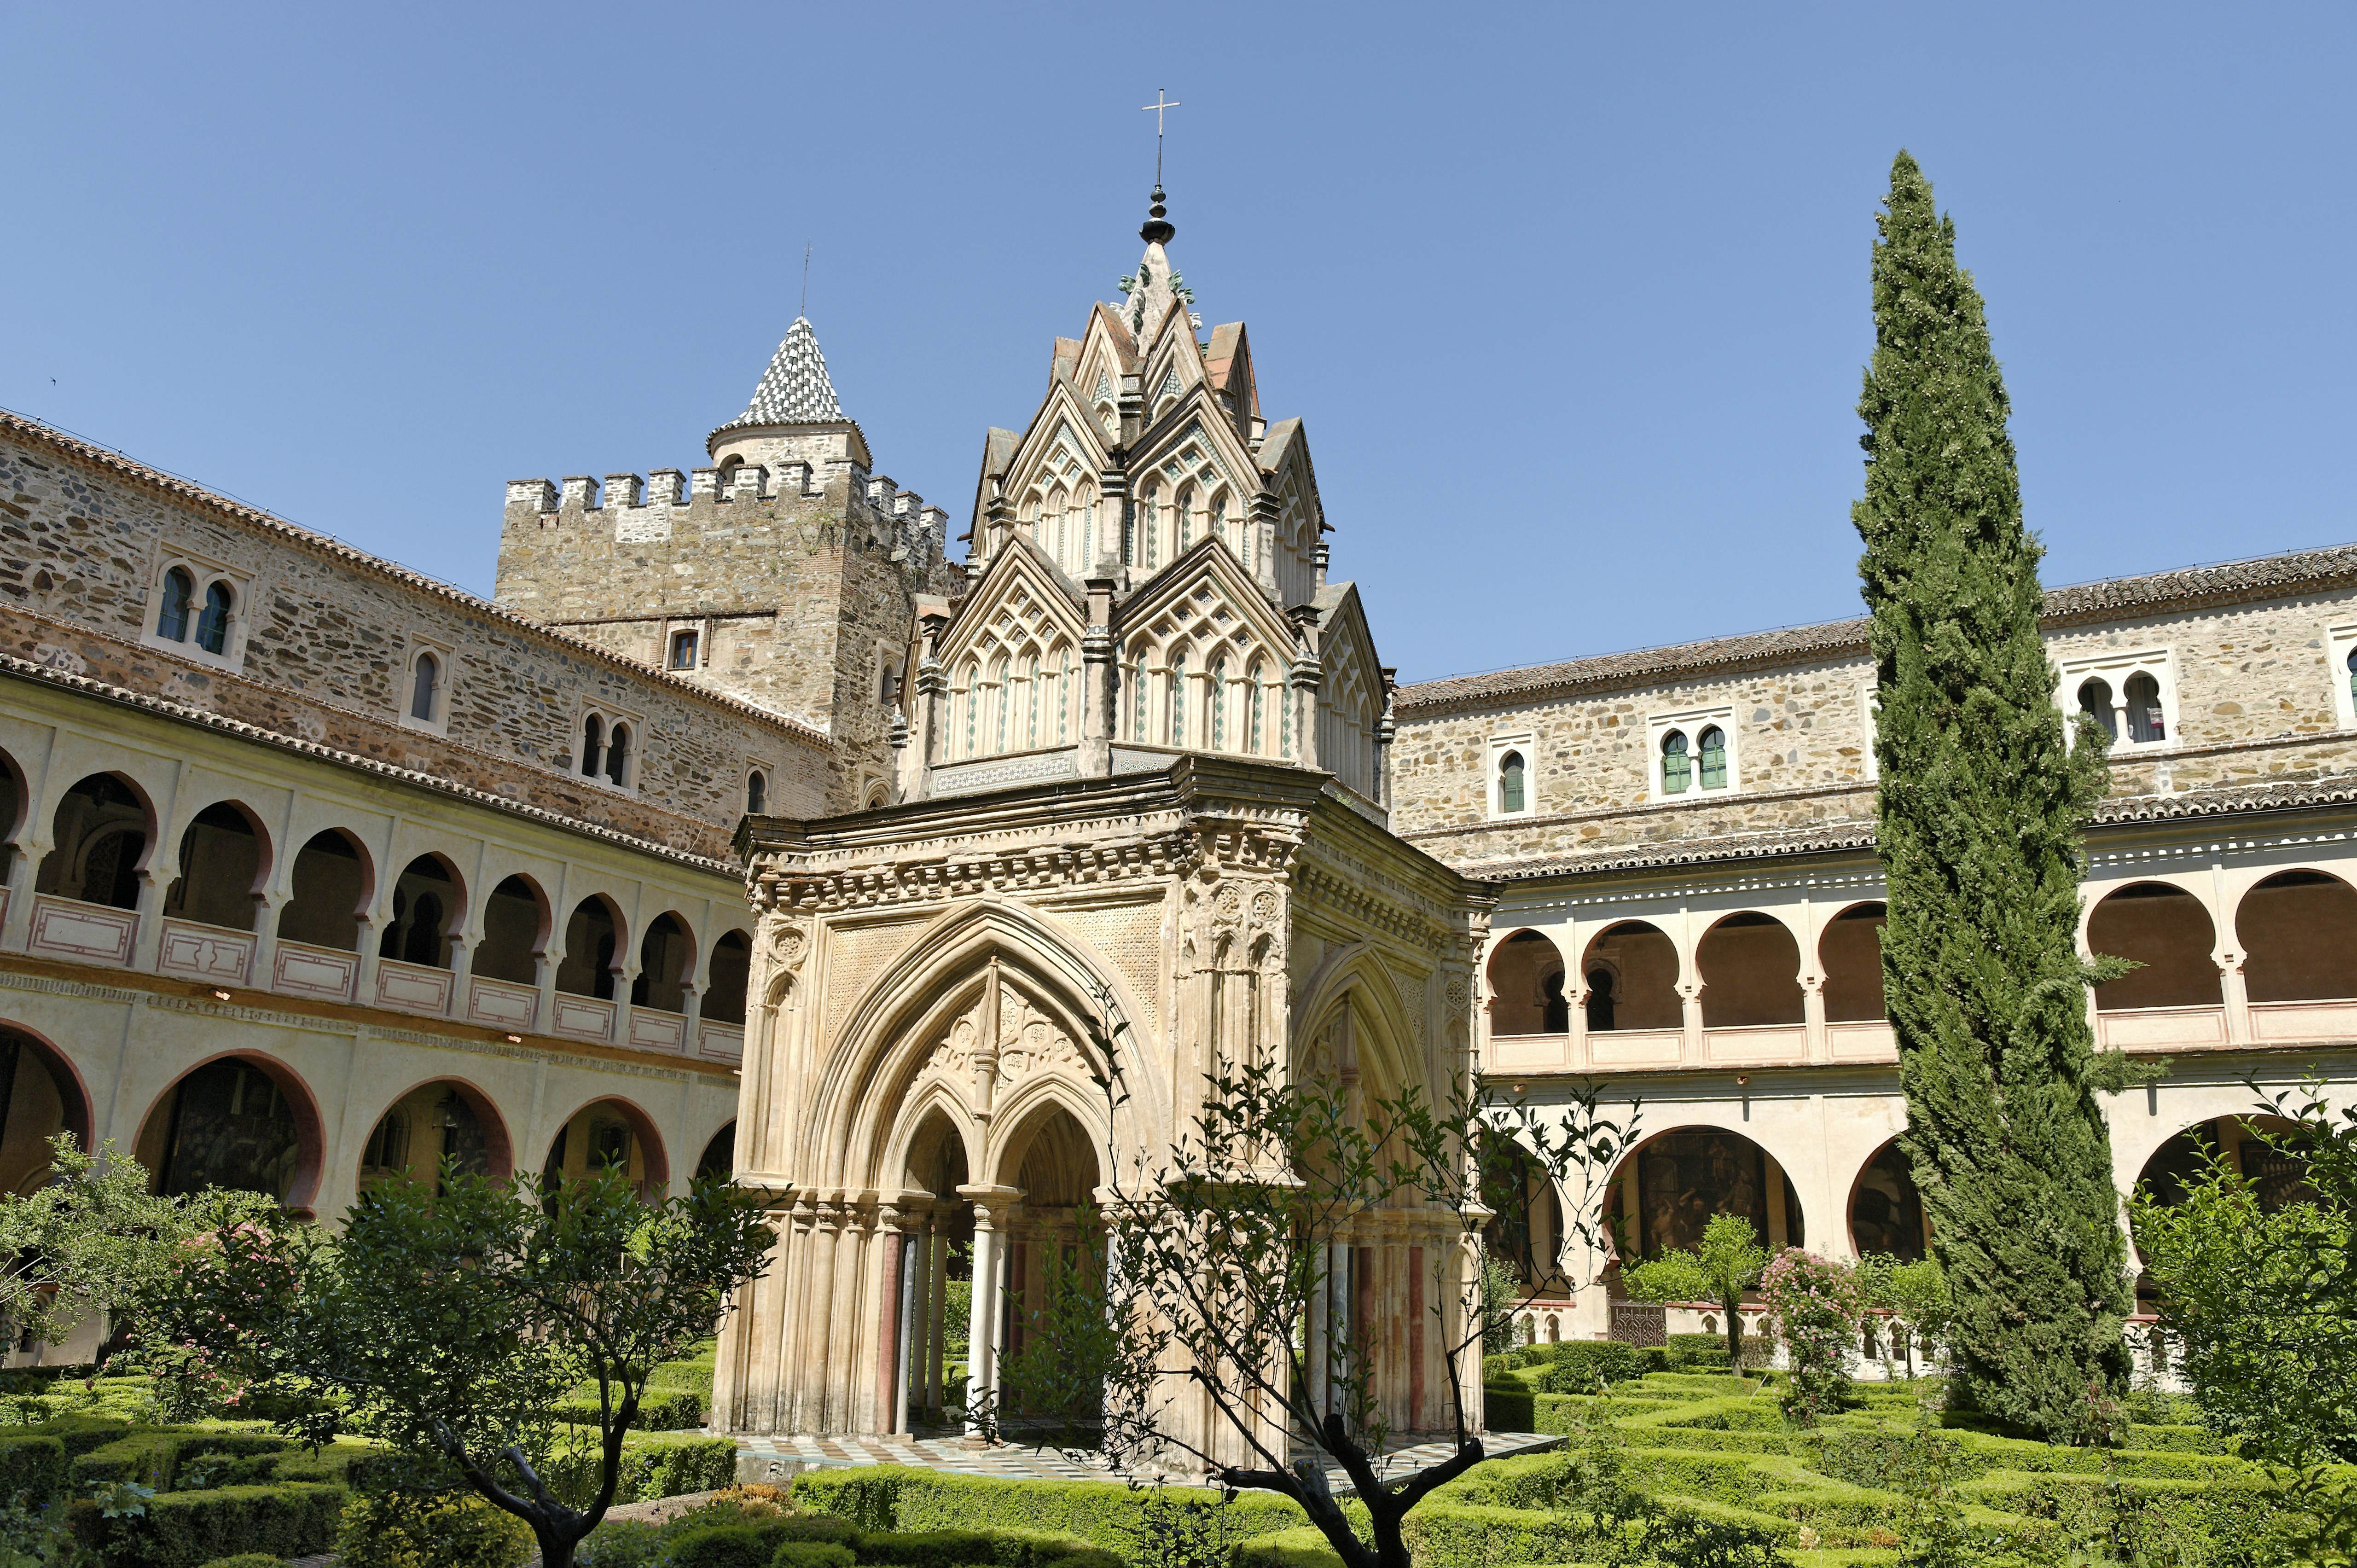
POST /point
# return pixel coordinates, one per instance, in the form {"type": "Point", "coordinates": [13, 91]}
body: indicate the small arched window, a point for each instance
{"type": "Point", "coordinates": [1031, 700]}
{"type": "Point", "coordinates": [1150, 518]}
{"type": "Point", "coordinates": [1216, 700]}
{"type": "Point", "coordinates": [1511, 795]}
{"type": "Point", "coordinates": [973, 707]}
{"type": "Point", "coordinates": [593, 741]}
{"type": "Point", "coordinates": [999, 679]}
{"type": "Point", "coordinates": [180, 589]}
{"type": "Point", "coordinates": [1178, 699]}
{"type": "Point", "coordinates": [1713, 759]}
{"type": "Point", "coordinates": [1677, 765]}
{"type": "Point", "coordinates": [2095, 702]}
{"type": "Point", "coordinates": [2146, 721]}
{"type": "Point", "coordinates": [757, 792]}
{"type": "Point", "coordinates": [2352, 675]}
{"type": "Point", "coordinates": [1063, 694]}
{"type": "Point", "coordinates": [617, 757]}
{"type": "Point", "coordinates": [1259, 711]}
{"type": "Point", "coordinates": [425, 687]}
{"type": "Point", "coordinates": [1184, 510]}
{"type": "Point", "coordinates": [212, 622]}
{"type": "Point", "coordinates": [1137, 698]}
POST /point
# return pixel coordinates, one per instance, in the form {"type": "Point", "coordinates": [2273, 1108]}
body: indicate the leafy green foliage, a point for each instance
{"type": "Point", "coordinates": [1227, 1249]}
{"type": "Point", "coordinates": [92, 1238]}
{"type": "Point", "coordinates": [436, 1527]}
{"type": "Point", "coordinates": [1720, 1269]}
{"type": "Point", "coordinates": [1500, 1291]}
{"type": "Point", "coordinates": [1982, 809]}
{"type": "Point", "coordinates": [454, 1323]}
{"type": "Point", "coordinates": [1813, 1303]}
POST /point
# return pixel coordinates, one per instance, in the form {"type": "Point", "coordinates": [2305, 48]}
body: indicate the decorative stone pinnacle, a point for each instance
{"type": "Point", "coordinates": [1158, 229]}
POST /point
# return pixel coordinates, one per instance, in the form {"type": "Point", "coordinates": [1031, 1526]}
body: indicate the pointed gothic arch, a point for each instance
{"type": "Point", "coordinates": [859, 1101]}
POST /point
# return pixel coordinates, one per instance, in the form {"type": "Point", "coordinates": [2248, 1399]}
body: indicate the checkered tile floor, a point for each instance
{"type": "Point", "coordinates": [1009, 1462]}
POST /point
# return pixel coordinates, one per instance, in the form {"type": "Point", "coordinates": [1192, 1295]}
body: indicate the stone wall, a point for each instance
{"type": "Point", "coordinates": [793, 579]}
{"type": "Point", "coordinates": [323, 642]}
{"type": "Point", "coordinates": [2254, 680]}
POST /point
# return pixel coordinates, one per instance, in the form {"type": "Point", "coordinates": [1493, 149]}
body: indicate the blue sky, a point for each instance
{"type": "Point", "coordinates": [1572, 299]}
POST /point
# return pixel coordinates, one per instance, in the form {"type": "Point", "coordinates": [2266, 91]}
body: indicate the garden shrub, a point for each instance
{"type": "Point", "coordinates": [1814, 1303]}
{"type": "Point", "coordinates": [621, 1544]}
{"type": "Point", "coordinates": [1508, 1407]}
{"type": "Point", "coordinates": [32, 1470]}
{"type": "Point", "coordinates": [1590, 1365]}
{"type": "Point", "coordinates": [145, 1458]}
{"type": "Point", "coordinates": [663, 1410]}
{"type": "Point", "coordinates": [812, 1554]}
{"type": "Point", "coordinates": [80, 1434]}
{"type": "Point", "coordinates": [187, 1530]}
{"type": "Point", "coordinates": [451, 1530]}
{"type": "Point", "coordinates": [724, 1546]}
{"type": "Point", "coordinates": [248, 1560]}
{"type": "Point", "coordinates": [1304, 1548]}
{"type": "Point", "coordinates": [1103, 1514]}
{"type": "Point", "coordinates": [823, 1528]}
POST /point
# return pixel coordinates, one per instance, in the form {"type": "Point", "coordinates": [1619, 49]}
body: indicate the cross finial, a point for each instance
{"type": "Point", "coordinates": [1159, 108]}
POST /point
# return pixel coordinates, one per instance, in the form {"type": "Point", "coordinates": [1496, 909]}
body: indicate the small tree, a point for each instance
{"type": "Point", "coordinates": [1221, 1254]}
{"type": "Point", "coordinates": [91, 1239]}
{"type": "Point", "coordinates": [1725, 1264]}
{"type": "Point", "coordinates": [2262, 1307]}
{"type": "Point", "coordinates": [1916, 1297]}
{"type": "Point", "coordinates": [450, 1326]}
{"type": "Point", "coordinates": [1814, 1303]}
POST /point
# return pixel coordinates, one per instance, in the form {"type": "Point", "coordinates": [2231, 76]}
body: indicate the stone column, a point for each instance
{"type": "Point", "coordinates": [543, 980]}
{"type": "Point", "coordinates": [891, 1388]}
{"type": "Point", "coordinates": [626, 978]}
{"type": "Point", "coordinates": [148, 940]}
{"type": "Point", "coordinates": [1095, 761]}
{"type": "Point", "coordinates": [1812, 1014]}
{"type": "Point", "coordinates": [937, 1316]}
{"type": "Point", "coordinates": [993, 1208]}
{"type": "Point", "coordinates": [265, 937]}
{"type": "Point", "coordinates": [461, 945]}
{"type": "Point", "coordinates": [32, 850]}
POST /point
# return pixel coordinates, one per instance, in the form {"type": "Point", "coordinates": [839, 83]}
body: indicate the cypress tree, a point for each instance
{"type": "Point", "coordinates": [1982, 812]}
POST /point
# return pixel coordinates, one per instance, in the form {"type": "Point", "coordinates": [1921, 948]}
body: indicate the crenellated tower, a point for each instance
{"type": "Point", "coordinates": [786, 573]}
{"type": "Point", "coordinates": [1149, 560]}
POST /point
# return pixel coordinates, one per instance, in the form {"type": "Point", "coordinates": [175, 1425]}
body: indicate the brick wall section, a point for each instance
{"type": "Point", "coordinates": [2254, 676]}
{"type": "Point", "coordinates": [326, 645]}
{"type": "Point", "coordinates": [796, 578]}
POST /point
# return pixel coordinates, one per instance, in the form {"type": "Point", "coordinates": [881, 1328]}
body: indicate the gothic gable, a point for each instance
{"type": "Point", "coordinates": [1191, 480]}
{"type": "Point", "coordinates": [1051, 483]}
{"type": "Point", "coordinates": [1204, 659]}
{"type": "Point", "coordinates": [1350, 694]}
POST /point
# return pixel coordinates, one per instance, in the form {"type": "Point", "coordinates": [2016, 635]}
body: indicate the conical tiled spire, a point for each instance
{"type": "Point", "coordinates": [794, 390]}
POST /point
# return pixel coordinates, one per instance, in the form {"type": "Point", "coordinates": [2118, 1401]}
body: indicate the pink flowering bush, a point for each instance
{"type": "Point", "coordinates": [1814, 1305]}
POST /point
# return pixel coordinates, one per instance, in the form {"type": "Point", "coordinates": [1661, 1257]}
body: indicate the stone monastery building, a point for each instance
{"type": "Point", "coordinates": [744, 828]}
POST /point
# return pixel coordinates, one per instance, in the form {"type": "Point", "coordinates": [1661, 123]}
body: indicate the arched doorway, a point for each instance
{"type": "Point", "coordinates": [2298, 932]}
{"type": "Point", "coordinates": [936, 1262]}
{"type": "Point", "coordinates": [224, 858]}
{"type": "Point", "coordinates": [719, 1157]}
{"type": "Point", "coordinates": [427, 907]}
{"type": "Point", "coordinates": [1886, 1211]}
{"type": "Point", "coordinates": [435, 1123]}
{"type": "Point", "coordinates": [666, 962]}
{"type": "Point", "coordinates": [609, 1134]}
{"type": "Point", "coordinates": [40, 1097]}
{"type": "Point", "coordinates": [515, 932]}
{"type": "Point", "coordinates": [236, 1121]}
{"type": "Point", "coordinates": [1526, 984]}
{"type": "Point", "coordinates": [1850, 953]}
{"type": "Point", "coordinates": [1750, 972]}
{"type": "Point", "coordinates": [2277, 1175]}
{"type": "Point", "coordinates": [1631, 971]}
{"type": "Point", "coordinates": [103, 831]}
{"type": "Point", "coordinates": [1524, 1230]}
{"type": "Point", "coordinates": [2167, 931]}
{"type": "Point", "coordinates": [331, 889]}
{"type": "Point", "coordinates": [731, 971]}
{"type": "Point", "coordinates": [591, 939]}
{"type": "Point", "coordinates": [1667, 1192]}
{"type": "Point", "coordinates": [1048, 1253]}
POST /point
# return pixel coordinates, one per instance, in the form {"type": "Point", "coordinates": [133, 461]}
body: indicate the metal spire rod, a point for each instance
{"type": "Point", "coordinates": [804, 310]}
{"type": "Point", "coordinates": [1159, 107]}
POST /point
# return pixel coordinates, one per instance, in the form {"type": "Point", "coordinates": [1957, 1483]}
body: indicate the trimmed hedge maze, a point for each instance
{"type": "Point", "coordinates": [1683, 1467]}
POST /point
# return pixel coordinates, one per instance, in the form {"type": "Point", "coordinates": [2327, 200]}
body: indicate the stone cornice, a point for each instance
{"type": "Point", "coordinates": [93, 455]}
{"type": "Point", "coordinates": [2110, 599]}
{"type": "Point", "coordinates": [1834, 838]}
{"type": "Point", "coordinates": [100, 690]}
